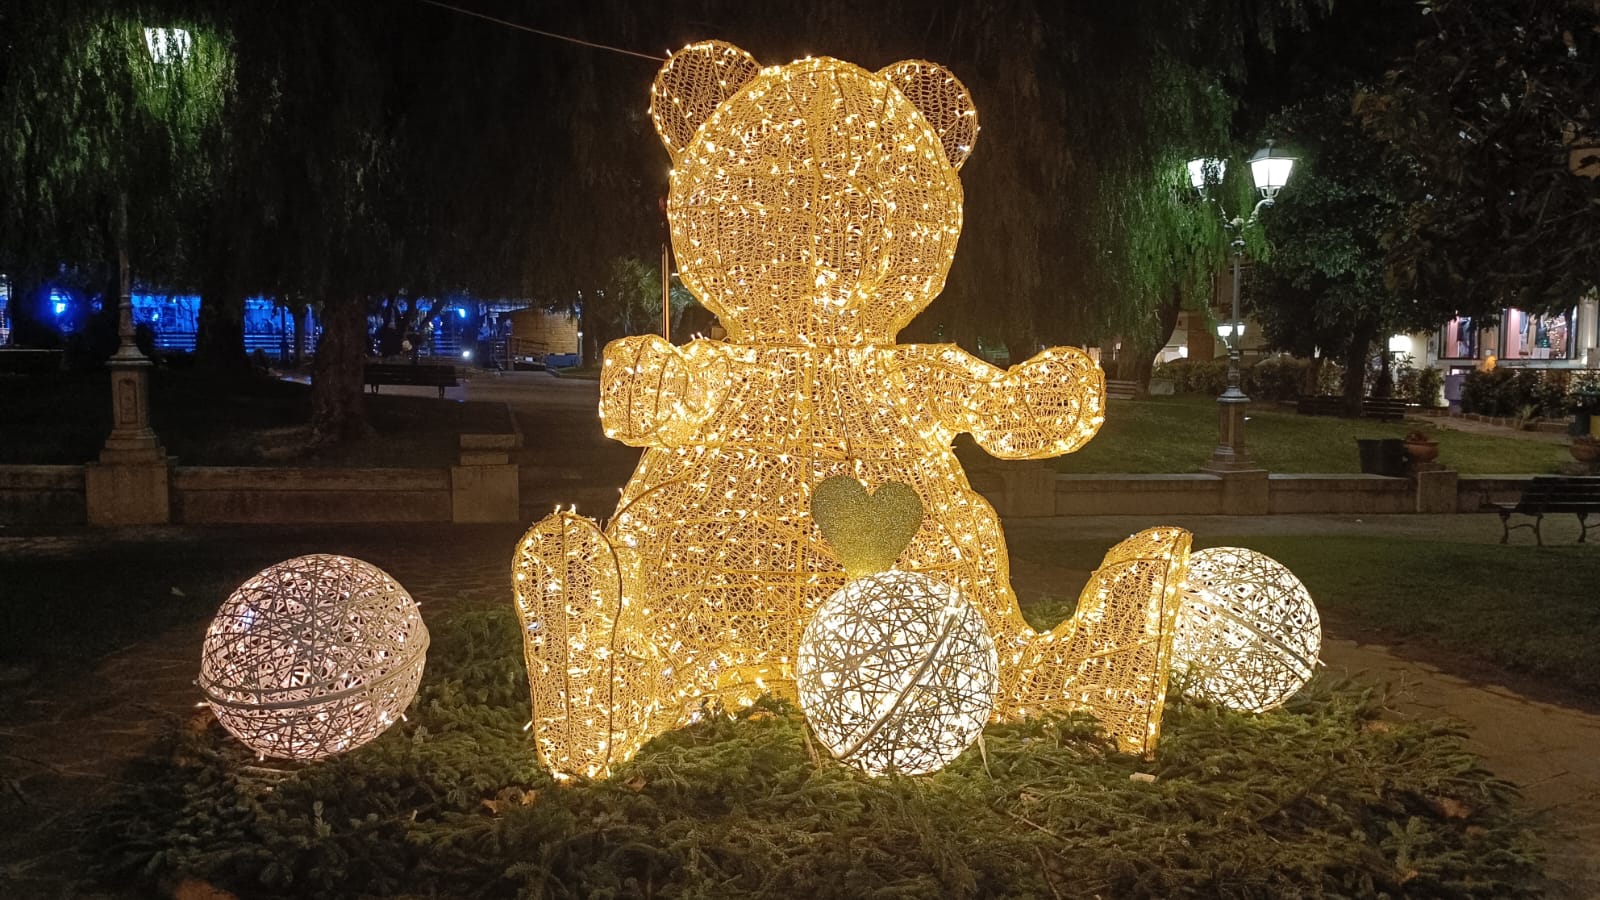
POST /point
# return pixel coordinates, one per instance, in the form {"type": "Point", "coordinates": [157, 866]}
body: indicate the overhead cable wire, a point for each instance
{"type": "Point", "coordinates": [548, 34]}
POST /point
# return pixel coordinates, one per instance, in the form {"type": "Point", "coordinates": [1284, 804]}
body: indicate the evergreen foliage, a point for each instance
{"type": "Point", "coordinates": [1495, 105]}
{"type": "Point", "coordinates": [1325, 799]}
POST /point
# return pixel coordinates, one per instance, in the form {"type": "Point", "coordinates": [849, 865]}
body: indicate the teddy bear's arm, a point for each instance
{"type": "Point", "coordinates": [653, 394]}
{"type": "Point", "coordinates": [1050, 405]}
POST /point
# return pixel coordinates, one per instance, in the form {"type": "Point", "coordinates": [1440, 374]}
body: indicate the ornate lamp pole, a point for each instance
{"type": "Point", "coordinates": [1270, 171]}
{"type": "Point", "coordinates": [131, 438]}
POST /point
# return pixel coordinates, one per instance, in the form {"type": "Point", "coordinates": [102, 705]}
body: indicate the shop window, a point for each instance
{"type": "Point", "coordinates": [1528, 336]}
{"type": "Point", "coordinates": [1460, 339]}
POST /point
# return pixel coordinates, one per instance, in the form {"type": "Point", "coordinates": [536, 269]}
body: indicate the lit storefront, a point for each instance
{"type": "Point", "coordinates": [1559, 340]}
{"type": "Point", "coordinates": [1519, 338]}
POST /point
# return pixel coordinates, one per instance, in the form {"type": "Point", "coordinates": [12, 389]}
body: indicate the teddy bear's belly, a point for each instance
{"type": "Point", "coordinates": [723, 567]}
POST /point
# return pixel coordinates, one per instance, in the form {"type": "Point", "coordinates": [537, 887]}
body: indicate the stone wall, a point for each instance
{"type": "Point", "coordinates": [42, 495]}
{"type": "Point", "coordinates": [482, 488]}
{"type": "Point", "coordinates": [1015, 492]}
{"type": "Point", "coordinates": [240, 496]}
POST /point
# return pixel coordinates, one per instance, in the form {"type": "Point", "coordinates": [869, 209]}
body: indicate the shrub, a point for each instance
{"type": "Point", "coordinates": [1196, 376]}
{"type": "Point", "coordinates": [1420, 386]}
{"type": "Point", "coordinates": [1519, 392]}
{"type": "Point", "coordinates": [1430, 387]}
{"type": "Point", "coordinates": [1280, 378]}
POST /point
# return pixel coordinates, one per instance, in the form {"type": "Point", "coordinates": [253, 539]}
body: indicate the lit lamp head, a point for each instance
{"type": "Point", "coordinates": [1270, 170]}
{"type": "Point", "coordinates": [167, 45]}
{"type": "Point", "coordinates": [1400, 343]}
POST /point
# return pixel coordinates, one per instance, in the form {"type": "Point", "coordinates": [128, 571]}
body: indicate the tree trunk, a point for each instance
{"type": "Point", "coordinates": [1385, 386]}
{"type": "Point", "coordinates": [29, 326]}
{"type": "Point", "coordinates": [219, 340]}
{"type": "Point", "coordinates": [1310, 385]}
{"type": "Point", "coordinates": [1355, 366]}
{"type": "Point", "coordinates": [1138, 360]}
{"type": "Point", "coordinates": [336, 373]}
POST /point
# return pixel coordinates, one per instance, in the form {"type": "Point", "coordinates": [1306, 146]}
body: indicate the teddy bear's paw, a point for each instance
{"type": "Point", "coordinates": [1112, 657]}
{"type": "Point", "coordinates": [568, 595]}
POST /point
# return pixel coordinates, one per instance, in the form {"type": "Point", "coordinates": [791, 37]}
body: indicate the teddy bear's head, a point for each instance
{"type": "Point", "coordinates": [812, 203]}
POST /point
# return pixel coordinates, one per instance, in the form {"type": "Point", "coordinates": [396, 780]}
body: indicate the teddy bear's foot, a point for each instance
{"type": "Point", "coordinates": [1113, 656]}
{"type": "Point", "coordinates": [593, 684]}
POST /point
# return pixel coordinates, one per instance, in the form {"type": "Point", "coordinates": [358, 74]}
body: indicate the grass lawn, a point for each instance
{"type": "Point", "coordinates": [63, 418]}
{"type": "Point", "coordinates": [1319, 799]}
{"type": "Point", "coordinates": [1529, 609]}
{"type": "Point", "coordinates": [1177, 434]}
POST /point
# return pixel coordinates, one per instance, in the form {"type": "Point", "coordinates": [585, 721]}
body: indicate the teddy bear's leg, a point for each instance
{"type": "Point", "coordinates": [594, 684]}
{"type": "Point", "coordinates": [1113, 656]}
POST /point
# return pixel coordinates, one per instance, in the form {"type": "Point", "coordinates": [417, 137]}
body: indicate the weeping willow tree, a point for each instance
{"type": "Point", "coordinates": [1079, 218]}
{"type": "Point", "coordinates": [107, 142]}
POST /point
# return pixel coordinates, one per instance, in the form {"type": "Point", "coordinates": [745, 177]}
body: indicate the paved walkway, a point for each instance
{"type": "Point", "coordinates": [1473, 426]}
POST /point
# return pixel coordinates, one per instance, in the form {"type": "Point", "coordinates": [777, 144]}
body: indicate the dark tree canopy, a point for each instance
{"type": "Point", "coordinates": [91, 123]}
{"type": "Point", "coordinates": [339, 155]}
{"type": "Point", "coordinates": [1494, 106]}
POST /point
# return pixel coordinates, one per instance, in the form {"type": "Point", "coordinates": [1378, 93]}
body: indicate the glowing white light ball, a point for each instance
{"type": "Point", "coordinates": [897, 673]}
{"type": "Point", "coordinates": [1247, 634]}
{"type": "Point", "coordinates": [313, 656]}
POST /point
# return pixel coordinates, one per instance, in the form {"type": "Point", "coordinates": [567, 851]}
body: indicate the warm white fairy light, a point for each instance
{"type": "Point", "coordinates": [897, 674]}
{"type": "Point", "coordinates": [1248, 634]}
{"type": "Point", "coordinates": [815, 209]}
{"type": "Point", "coordinates": [313, 656]}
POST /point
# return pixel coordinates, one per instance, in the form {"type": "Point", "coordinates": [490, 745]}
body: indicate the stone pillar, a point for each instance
{"type": "Point", "coordinates": [128, 486]}
{"type": "Point", "coordinates": [1030, 488]}
{"type": "Point", "coordinates": [1245, 492]}
{"type": "Point", "coordinates": [1436, 488]}
{"type": "Point", "coordinates": [483, 488]}
{"type": "Point", "coordinates": [1231, 455]}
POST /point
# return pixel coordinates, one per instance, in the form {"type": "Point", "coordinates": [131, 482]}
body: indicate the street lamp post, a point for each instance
{"type": "Point", "coordinates": [1270, 172]}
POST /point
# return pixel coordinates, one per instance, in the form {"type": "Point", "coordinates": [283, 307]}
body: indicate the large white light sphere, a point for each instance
{"type": "Point", "coordinates": [1247, 633]}
{"type": "Point", "coordinates": [897, 673]}
{"type": "Point", "coordinates": [313, 656]}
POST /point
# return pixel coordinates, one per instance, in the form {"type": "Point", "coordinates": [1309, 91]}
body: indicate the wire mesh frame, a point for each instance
{"type": "Point", "coordinates": [897, 674]}
{"type": "Point", "coordinates": [313, 656]}
{"type": "Point", "coordinates": [815, 208]}
{"type": "Point", "coordinates": [1248, 635]}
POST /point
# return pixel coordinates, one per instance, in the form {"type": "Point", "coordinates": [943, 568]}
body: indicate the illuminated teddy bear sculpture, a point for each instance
{"type": "Point", "coordinates": [815, 208]}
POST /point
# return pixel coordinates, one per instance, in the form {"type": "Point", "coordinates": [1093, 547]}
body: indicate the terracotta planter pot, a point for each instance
{"type": "Point", "coordinates": [1584, 451]}
{"type": "Point", "coordinates": [1422, 451]}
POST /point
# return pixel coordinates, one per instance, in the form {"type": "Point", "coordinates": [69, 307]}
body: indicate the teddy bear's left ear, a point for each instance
{"type": "Point", "coordinates": [943, 100]}
{"type": "Point", "coordinates": [692, 84]}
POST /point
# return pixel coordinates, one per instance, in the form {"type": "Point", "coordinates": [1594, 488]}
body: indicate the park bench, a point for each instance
{"type": "Point", "coordinates": [1575, 494]}
{"type": "Point", "coordinates": [1121, 390]}
{"type": "Point", "coordinates": [1380, 408]}
{"type": "Point", "coordinates": [440, 377]}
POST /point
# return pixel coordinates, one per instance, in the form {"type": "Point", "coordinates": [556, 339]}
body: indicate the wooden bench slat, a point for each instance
{"type": "Point", "coordinates": [1371, 407]}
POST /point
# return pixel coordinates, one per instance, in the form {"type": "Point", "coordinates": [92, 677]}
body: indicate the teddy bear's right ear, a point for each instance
{"type": "Point", "coordinates": [943, 100]}
{"type": "Point", "coordinates": [692, 84]}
